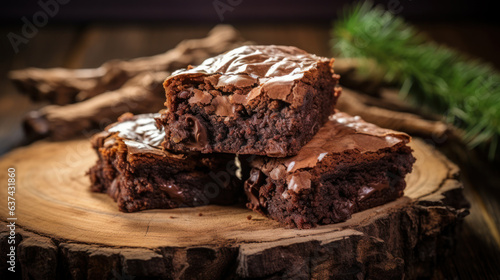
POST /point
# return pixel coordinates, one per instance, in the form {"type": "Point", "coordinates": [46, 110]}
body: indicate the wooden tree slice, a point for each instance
{"type": "Point", "coordinates": [70, 232]}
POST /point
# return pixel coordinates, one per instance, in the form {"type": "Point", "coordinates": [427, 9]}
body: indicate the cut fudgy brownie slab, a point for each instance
{"type": "Point", "coordinates": [264, 100]}
{"type": "Point", "coordinates": [134, 170]}
{"type": "Point", "coordinates": [348, 166]}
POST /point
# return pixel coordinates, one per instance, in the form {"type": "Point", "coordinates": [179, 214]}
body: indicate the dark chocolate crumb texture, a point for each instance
{"type": "Point", "coordinates": [263, 100]}
{"type": "Point", "coordinates": [134, 169]}
{"type": "Point", "coordinates": [348, 166]}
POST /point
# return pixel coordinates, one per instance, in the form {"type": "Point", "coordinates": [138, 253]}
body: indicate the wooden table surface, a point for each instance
{"type": "Point", "coordinates": [478, 253]}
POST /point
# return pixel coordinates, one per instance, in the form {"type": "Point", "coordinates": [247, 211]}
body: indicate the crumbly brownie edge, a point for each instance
{"type": "Point", "coordinates": [332, 198]}
{"type": "Point", "coordinates": [147, 186]}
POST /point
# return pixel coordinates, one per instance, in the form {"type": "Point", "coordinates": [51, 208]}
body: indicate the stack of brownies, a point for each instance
{"type": "Point", "coordinates": [258, 120]}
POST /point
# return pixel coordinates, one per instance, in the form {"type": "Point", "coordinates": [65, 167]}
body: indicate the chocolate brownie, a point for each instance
{"type": "Point", "coordinates": [264, 100]}
{"type": "Point", "coordinates": [348, 166]}
{"type": "Point", "coordinates": [134, 169]}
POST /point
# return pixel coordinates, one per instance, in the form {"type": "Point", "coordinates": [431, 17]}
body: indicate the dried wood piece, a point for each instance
{"type": "Point", "coordinates": [359, 74]}
{"type": "Point", "coordinates": [63, 86]}
{"type": "Point", "coordinates": [56, 85]}
{"type": "Point", "coordinates": [399, 240]}
{"type": "Point", "coordinates": [365, 94]}
{"type": "Point", "coordinates": [142, 94]}
{"type": "Point", "coordinates": [371, 110]}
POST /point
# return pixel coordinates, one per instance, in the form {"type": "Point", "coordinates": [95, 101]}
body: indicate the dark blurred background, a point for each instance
{"type": "Point", "coordinates": [467, 16]}
{"type": "Point", "coordinates": [475, 24]}
{"type": "Point", "coordinates": [200, 11]}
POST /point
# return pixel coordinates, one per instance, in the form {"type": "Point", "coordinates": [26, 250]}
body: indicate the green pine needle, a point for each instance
{"type": "Point", "coordinates": [465, 91]}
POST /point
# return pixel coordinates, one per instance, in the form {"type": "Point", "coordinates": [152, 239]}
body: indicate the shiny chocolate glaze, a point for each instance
{"type": "Point", "coordinates": [140, 134]}
{"type": "Point", "coordinates": [255, 70]}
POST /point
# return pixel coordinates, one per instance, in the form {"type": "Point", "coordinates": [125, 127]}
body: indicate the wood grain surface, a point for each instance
{"type": "Point", "coordinates": [54, 200]}
{"type": "Point", "coordinates": [53, 180]}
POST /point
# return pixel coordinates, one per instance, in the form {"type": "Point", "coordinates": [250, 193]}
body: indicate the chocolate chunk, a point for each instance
{"type": "Point", "coordinates": [252, 186]}
{"type": "Point", "coordinates": [199, 132]}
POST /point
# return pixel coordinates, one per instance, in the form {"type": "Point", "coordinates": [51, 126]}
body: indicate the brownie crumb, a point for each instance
{"type": "Point", "coordinates": [249, 217]}
{"type": "Point", "coordinates": [200, 214]}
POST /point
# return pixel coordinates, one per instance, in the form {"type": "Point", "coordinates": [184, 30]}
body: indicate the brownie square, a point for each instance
{"type": "Point", "coordinates": [263, 100]}
{"type": "Point", "coordinates": [134, 170]}
{"type": "Point", "coordinates": [348, 166]}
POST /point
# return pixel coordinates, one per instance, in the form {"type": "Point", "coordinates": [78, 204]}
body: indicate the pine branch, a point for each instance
{"type": "Point", "coordinates": [466, 91]}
